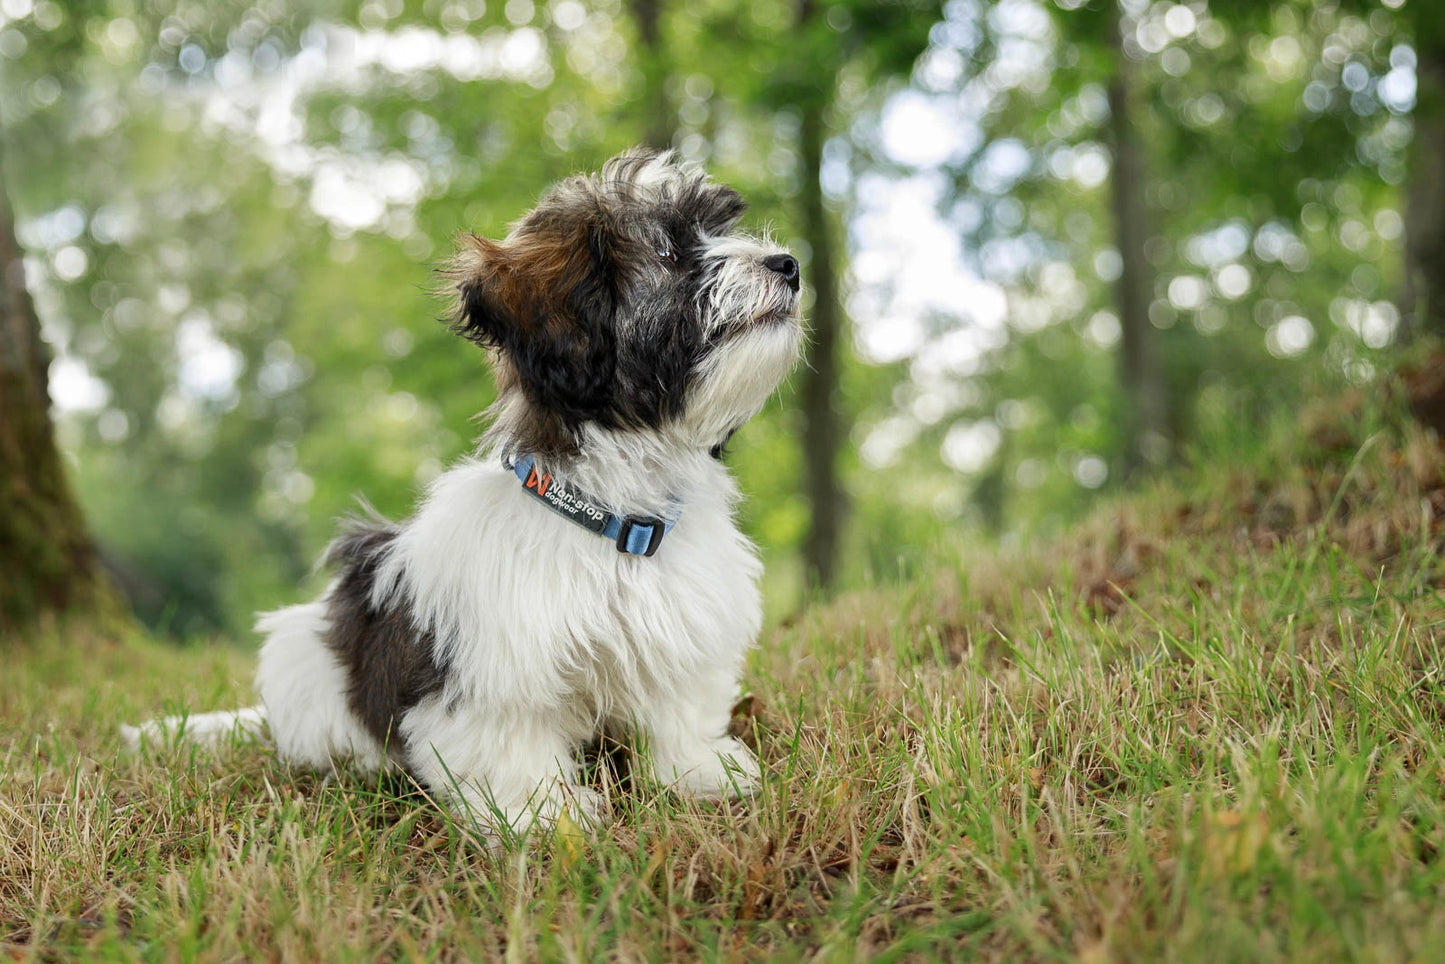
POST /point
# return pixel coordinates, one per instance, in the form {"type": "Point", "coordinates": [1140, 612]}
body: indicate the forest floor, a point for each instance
{"type": "Point", "coordinates": [1206, 725]}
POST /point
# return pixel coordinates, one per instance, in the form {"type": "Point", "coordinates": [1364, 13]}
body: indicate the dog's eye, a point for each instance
{"type": "Point", "coordinates": [665, 253]}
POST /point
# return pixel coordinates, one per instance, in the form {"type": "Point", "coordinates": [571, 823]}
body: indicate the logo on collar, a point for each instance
{"type": "Point", "coordinates": [633, 534]}
{"type": "Point", "coordinates": [540, 485]}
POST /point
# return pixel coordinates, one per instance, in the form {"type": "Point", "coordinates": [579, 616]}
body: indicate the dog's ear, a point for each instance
{"type": "Point", "coordinates": [545, 299]}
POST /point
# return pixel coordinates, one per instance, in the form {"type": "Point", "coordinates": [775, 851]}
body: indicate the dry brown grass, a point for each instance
{"type": "Point", "coordinates": [1205, 726]}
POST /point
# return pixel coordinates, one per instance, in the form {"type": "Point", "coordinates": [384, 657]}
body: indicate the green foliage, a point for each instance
{"type": "Point", "coordinates": [1275, 162]}
{"type": "Point", "coordinates": [234, 211]}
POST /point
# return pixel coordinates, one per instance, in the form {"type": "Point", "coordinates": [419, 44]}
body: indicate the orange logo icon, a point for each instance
{"type": "Point", "coordinates": [540, 484]}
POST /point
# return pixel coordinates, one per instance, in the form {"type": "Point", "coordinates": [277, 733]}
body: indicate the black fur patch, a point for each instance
{"type": "Point", "coordinates": [390, 665]}
{"type": "Point", "coordinates": [655, 362]}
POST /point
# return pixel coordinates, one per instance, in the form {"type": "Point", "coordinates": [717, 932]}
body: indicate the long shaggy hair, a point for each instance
{"type": "Point", "coordinates": [632, 329]}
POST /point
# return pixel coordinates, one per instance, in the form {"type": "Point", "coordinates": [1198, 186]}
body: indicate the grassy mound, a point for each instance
{"type": "Point", "coordinates": [1205, 726]}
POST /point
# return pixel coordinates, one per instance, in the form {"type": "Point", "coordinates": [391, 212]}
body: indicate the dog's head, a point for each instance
{"type": "Point", "coordinates": [627, 300]}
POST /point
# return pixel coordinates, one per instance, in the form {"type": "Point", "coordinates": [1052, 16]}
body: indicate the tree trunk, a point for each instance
{"type": "Point", "coordinates": [824, 422]}
{"type": "Point", "coordinates": [47, 562]}
{"type": "Point", "coordinates": [652, 61]}
{"type": "Point", "coordinates": [1140, 367]}
{"type": "Point", "coordinates": [1422, 301]}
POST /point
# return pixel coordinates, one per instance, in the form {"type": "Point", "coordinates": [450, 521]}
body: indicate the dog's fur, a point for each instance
{"type": "Point", "coordinates": [479, 643]}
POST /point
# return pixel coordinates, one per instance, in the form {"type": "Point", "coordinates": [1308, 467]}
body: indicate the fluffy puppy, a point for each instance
{"type": "Point", "coordinates": [583, 571]}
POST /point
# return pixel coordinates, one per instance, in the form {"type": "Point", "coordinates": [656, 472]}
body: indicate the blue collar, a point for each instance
{"type": "Point", "coordinates": [633, 534]}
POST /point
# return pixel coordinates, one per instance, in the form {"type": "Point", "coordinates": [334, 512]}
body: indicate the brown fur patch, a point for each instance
{"type": "Point", "coordinates": [542, 301]}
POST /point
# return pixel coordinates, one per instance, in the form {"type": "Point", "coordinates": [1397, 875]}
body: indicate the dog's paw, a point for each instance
{"type": "Point", "coordinates": [718, 770]}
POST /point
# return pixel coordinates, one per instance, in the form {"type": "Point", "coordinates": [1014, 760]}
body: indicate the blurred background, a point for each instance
{"type": "Point", "coordinates": [1053, 246]}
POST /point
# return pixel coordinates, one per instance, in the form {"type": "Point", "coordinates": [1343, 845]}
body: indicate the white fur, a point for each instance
{"type": "Point", "coordinates": [210, 729]}
{"type": "Point", "coordinates": [736, 382]}
{"type": "Point", "coordinates": [663, 172]}
{"type": "Point", "coordinates": [304, 692]}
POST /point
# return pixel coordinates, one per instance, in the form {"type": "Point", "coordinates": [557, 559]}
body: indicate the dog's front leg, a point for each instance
{"type": "Point", "coordinates": [507, 769]}
{"type": "Point", "coordinates": [686, 740]}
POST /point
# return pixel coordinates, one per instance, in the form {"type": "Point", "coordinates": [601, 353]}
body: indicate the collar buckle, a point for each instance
{"type": "Point", "coordinates": [640, 535]}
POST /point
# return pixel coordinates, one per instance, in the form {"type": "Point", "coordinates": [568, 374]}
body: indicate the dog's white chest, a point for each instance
{"type": "Point", "coordinates": [527, 605]}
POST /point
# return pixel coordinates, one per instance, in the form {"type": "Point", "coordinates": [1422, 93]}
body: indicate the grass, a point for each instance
{"type": "Point", "coordinates": [1205, 726]}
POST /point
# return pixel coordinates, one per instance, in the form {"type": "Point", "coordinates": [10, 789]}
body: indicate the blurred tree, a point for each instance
{"type": "Point", "coordinates": [1141, 365]}
{"type": "Point", "coordinates": [1423, 296]}
{"type": "Point", "coordinates": [1274, 135]}
{"type": "Point", "coordinates": [876, 41]}
{"type": "Point", "coordinates": [652, 61]}
{"type": "Point", "coordinates": [48, 565]}
{"type": "Point", "coordinates": [824, 419]}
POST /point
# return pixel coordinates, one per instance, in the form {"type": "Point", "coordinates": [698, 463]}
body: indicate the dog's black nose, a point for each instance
{"type": "Point", "coordinates": [785, 265]}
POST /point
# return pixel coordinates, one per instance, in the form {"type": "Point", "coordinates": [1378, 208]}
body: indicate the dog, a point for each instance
{"type": "Point", "coordinates": [582, 572]}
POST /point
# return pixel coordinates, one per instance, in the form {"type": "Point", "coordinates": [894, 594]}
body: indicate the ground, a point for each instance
{"type": "Point", "coordinates": [1204, 726]}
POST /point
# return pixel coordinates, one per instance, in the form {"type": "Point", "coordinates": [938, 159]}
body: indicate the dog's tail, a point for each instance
{"type": "Point", "coordinates": [202, 729]}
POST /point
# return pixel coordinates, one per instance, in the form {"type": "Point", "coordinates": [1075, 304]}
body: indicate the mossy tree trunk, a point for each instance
{"type": "Point", "coordinates": [47, 562]}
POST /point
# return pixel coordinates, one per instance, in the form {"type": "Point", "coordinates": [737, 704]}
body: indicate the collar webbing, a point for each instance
{"type": "Point", "coordinates": [637, 535]}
